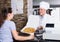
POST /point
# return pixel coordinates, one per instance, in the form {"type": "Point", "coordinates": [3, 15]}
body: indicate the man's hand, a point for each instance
{"type": "Point", "coordinates": [40, 27]}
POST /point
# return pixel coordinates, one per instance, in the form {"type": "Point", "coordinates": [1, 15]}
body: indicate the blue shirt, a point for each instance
{"type": "Point", "coordinates": [6, 31]}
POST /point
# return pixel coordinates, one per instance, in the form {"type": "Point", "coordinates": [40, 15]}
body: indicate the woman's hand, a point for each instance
{"type": "Point", "coordinates": [22, 38]}
{"type": "Point", "coordinates": [31, 36]}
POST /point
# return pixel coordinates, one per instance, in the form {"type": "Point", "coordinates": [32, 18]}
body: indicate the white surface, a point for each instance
{"type": "Point", "coordinates": [53, 33]}
{"type": "Point", "coordinates": [51, 36]}
{"type": "Point", "coordinates": [17, 6]}
{"type": "Point", "coordinates": [33, 21]}
{"type": "Point", "coordinates": [30, 7]}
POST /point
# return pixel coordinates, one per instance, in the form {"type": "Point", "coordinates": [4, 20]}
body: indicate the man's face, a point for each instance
{"type": "Point", "coordinates": [42, 11]}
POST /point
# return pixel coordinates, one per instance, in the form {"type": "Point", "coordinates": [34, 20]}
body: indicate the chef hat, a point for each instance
{"type": "Point", "coordinates": [44, 5]}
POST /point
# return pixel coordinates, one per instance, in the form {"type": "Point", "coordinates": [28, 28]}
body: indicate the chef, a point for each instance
{"type": "Point", "coordinates": [44, 17]}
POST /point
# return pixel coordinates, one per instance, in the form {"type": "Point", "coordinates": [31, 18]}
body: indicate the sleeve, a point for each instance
{"type": "Point", "coordinates": [12, 26]}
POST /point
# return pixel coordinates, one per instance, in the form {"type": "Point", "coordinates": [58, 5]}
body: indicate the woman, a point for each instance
{"type": "Point", "coordinates": [8, 28]}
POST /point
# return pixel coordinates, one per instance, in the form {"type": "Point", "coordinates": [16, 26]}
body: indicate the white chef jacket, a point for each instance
{"type": "Point", "coordinates": [44, 20]}
{"type": "Point", "coordinates": [37, 20]}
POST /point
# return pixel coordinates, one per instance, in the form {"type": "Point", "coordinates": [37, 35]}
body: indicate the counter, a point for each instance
{"type": "Point", "coordinates": [46, 40]}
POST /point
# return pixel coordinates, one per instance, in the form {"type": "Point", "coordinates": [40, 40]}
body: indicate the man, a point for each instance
{"type": "Point", "coordinates": [44, 17]}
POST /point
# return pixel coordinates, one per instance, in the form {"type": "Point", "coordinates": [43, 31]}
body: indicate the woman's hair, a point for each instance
{"type": "Point", "coordinates": [3, 14]}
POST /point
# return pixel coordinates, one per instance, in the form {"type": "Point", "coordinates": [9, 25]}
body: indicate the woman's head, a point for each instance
{"type": "Point", "coordinates": [6, 13]}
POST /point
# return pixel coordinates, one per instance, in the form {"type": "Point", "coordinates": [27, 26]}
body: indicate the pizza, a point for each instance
{"type": "Point", "coordinates": [29, 30]}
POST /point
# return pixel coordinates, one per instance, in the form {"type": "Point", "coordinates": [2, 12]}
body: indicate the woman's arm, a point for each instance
{"type": "Point", "coordinates": [17, 37]}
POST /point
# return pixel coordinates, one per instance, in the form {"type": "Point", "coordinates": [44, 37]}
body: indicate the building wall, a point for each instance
{"type": "Point", "coordinates": [30, 7]}
{"type": "Point", "coordinates": [52, 2]}
{"type": "Point", "coordinates": [19, 19]}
